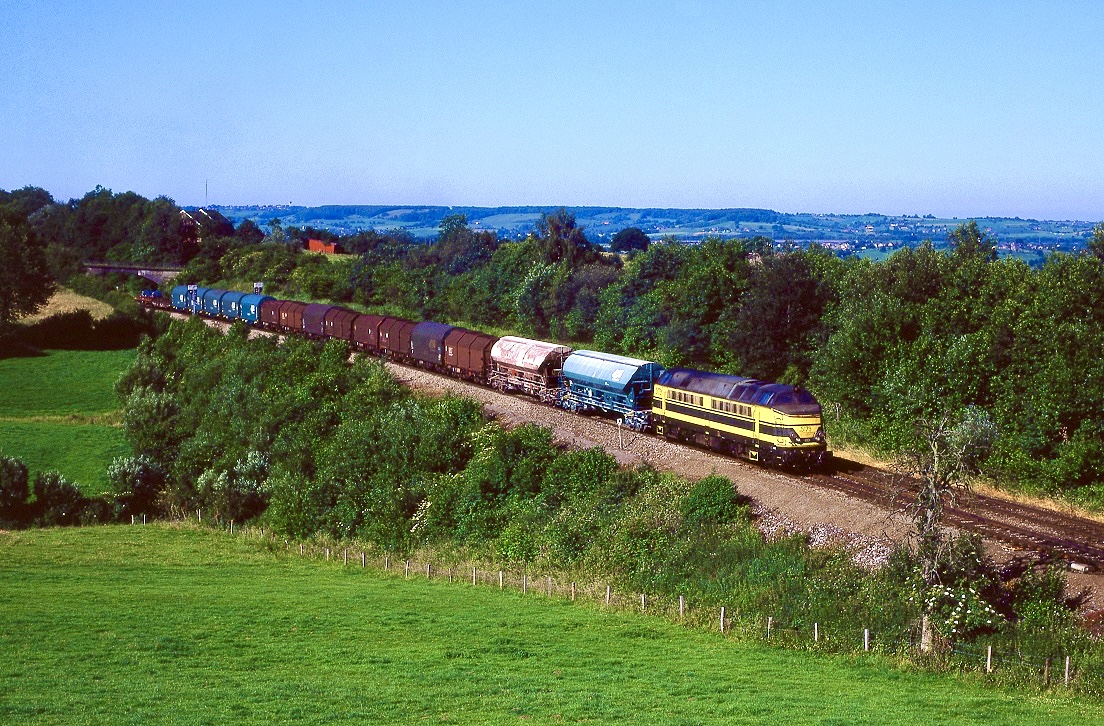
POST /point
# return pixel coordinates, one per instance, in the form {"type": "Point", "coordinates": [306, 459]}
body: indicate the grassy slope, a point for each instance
{"type": "Point", "coordinates": [47, 407]}
{"type": "Point", "coordinates": [160, 623]}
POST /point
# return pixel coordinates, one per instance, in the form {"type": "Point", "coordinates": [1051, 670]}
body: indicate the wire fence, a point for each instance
{"type": "Point", "coordinates": [1008, 660]}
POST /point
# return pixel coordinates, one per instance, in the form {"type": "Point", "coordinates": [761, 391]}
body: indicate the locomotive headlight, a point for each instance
{"type": "Point", "coordinates": [794, 437]}
{"type": "Point", "coordinates": [819, 434]}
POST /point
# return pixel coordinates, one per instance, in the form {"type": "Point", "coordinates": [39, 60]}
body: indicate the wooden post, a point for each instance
{"type": "Point", "coordinates": [386, 562]}
{"type": "Point", "coordinates": [327, 549]}
{"type": "Point", "coordinates": [722, 619]}
{"type": "Point", "coordinates": [473, 575]}
{"type": "Point", "coordinates": [301, 549]}
{"type": "Point", "coordinates": [363, 561]}
{"type": "Point", "coordinates": [500, 580]}
{"type": "Point", "coordinates": [132, 519]}
{"type": "Point", "coordinates": [1067, 670]}
{"type": "Point", "coordinates": [143, 517]}
{"type": "Point", "coordinates": [406, 573]}
{"type": "Point", "coordinates": [866, 639]}
{"type": "Point", "coordinates": [607, 594]}
{"type": "Point", "coordinates": [231, 526]}
{"type": "Point", "coordinates": [346, 556]}
{"type": "Point", "coordinates": [770, 623]}
{"type": "Point", "coordinates": [200, 511]}
{"type": "Point", "coordinates": [428, 570]}
{"type": "Point", "coordinates": [573, 592]}
{"type": "Point", "coordinates": [641, 602]}
{"type": "Point", "coordinates": [682, 606]}
{"type": "Point", "coordinates": [816, 632]}
{"type": "Point", "coordinates": [450, 575]}
{"type": "Point", "coordinates": [523, 583]}
{"type": "Point", "coordinates": [989, 659]}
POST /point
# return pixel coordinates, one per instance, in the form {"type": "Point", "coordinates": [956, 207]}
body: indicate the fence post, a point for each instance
{"type": "Point", "coordinates": [524, 583]}
{"type": "Point", "coordinates": [346, 556]}
{"type": "Point", "coordinates": [1067, 670]}
{"type": "Point", "coordinates": [500, 585]}
{"type": "Point", "coordinates": [682, 606]}
{"type": "Point", "coordinates": [363, 559]}
{"type": "Point", "coordinates": [816, 632]}
{"type": "Point", "coordinates": [450, 575]}
{"type": "Point", "coordinates": [549, 587]}
{"type": "Point", "coordinates": [770, 622]}
{"type": "Point", "coordinates": [143, 517]}
{"type": "Point", "coordinates": [327, 549]}
{"type": "Point", "coordinates": [641, 602]}
{"type": "Point", "coordinates": [231, 526]}
{"type": "Point", "coordinates": [473, 575]}
{"type": "Point", "coordinates": [573, 592]}
{"type": "Point", "coordinates": [722, 619]}
{"type": "Point", "coordinates": [866, 639]}
{"type": "Point", "coordinates": [607, 594]}
{"type": "Point", "coordinates": [989, 659]}
{"type": "Point", "coordinates": [200, 511]}
{"type": "Point", "coordinates": [386, 562]}
{"type": "Point", "coordinates": [132, 519]}
{"type": "Point", "coordinates": [406, 573]}
{"type": "Point", "coordinates": [427, 570]}
{"type": "Point", "coordinates": [301, 549]}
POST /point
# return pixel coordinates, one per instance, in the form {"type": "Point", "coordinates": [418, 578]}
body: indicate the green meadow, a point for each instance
{"type": "Point", "coordinates": [59, 411]}
{"type": "Point", "coordinates": [174, 623]}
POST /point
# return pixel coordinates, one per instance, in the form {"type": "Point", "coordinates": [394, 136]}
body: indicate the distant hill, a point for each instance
{"type": "Point", "coordinates": [846, 232]}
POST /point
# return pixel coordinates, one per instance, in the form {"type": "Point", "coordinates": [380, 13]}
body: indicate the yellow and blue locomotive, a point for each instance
{"type": "Point", "coordinates": [768, 422]}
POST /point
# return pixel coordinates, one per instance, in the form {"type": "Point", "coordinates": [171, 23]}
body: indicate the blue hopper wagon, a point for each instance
{"type": "Point", "coordinates": [611, 384]}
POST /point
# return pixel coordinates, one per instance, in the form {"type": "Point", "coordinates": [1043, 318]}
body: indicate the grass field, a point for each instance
{"type": "Point", "coordinates": [67, 301]}
{"type": "Point", "coordinates": [165, 623]}
{"type": "Point", "coordinates": [56, 412]}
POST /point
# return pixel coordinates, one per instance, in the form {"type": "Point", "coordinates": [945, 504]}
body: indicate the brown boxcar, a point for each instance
{"type": "Point", "coordinates": [366, 332]}
{"type": "Point", "coordinates": [389, 334]}
{"type": "Point", "coordinates": [339, 323]}
{"type": "Point", "coordinates": [291, 315]}
{"type": "Point", "coordinates": [403, 332]}
{"type": "Point", "coordinates": [270, 312]}
{"type": "Point", "coordinates": [468, 353]}
{"type": "Point", "coordinates": [314, 319]}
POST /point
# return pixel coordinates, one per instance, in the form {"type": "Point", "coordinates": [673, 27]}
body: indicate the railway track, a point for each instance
{"type": "Point", "coordinates": [1024, 527]}
{"type": "Point", "coordinates": [1028, 528]}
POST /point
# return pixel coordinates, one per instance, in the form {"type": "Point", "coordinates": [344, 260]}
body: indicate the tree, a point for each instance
{"type": "Point", "coordinates": [25, 281]}
{"type": "Point", "coordinates": [947, 450]}
{"type": "Point", "coordinates": [630, 238]}
{"type": "Point", "coordinates": [1095, 247]}
{"type": "Point", "coordinates": [970, 241]}
{"type": "Point", "coordinates": [249, 232]}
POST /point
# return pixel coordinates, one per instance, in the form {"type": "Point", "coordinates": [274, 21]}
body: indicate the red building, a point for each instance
{"type": "Point", "coordinates": [331, 248]}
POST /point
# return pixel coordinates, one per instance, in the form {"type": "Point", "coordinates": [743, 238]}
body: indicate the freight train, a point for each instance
{"type": "Point", "coordinates": [760, 421]}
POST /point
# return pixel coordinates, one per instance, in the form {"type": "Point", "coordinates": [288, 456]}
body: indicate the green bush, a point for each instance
{"type": "Point", "coordinates": [14, 491]}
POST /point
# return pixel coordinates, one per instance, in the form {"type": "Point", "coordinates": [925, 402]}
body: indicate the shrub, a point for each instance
{"type": "Point", "coordinates": [713, 500]}
{"type": "Point", "coordinates": [57, 501]}
{"type": "Point", "coordinates": [14, 490]}
{"type": "Point", "coordinates": [138, 483]}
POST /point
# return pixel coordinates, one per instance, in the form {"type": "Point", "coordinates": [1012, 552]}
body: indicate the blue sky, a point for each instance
{"type": "Point", "coordinates": [955, 109]}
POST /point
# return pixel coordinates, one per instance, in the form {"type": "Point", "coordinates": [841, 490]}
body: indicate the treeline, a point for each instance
{"type": "Point", "coordinates": [318, 445]}
{"type": "Point", "coordinates": [926, 333]}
